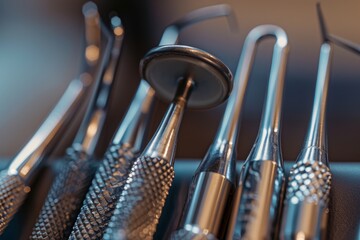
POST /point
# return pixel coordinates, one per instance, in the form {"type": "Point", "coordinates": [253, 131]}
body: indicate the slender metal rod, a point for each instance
{"type": "Point", "coordinates": [315, 144]}
{"type": "Point", "coordinates": [90, 129]}
{"type": "Point", "coordinates": [269, 132]}
{"type": "Point", "coordinates": [14, 182]}
{"type": "Point", "coordinates": [127, 143]}
{"type": "Point", "coordinates": [163, 143]}
{"type": "Point", "coordinates": [92, 33]}
{"type": "Point", "coordinates": [171, 33]}
{"type": "Point", "coordinates": [26, 161]}
{"type": "Point", "coordinates": [307, 197]}
{"type": "Point", "coordinates": [68, 190]}
{"type": "Point", "coordinates": [133, 123]}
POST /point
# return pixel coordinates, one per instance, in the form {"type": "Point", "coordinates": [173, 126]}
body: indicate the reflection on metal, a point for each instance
{"type": "Point", "coordinates": [127, 142]}
{"type": "Point", "coordinates": [306, 207]}
{"type": "Point", "coordinates": [258, 197]}
{"type": "Point", "coordinates": [171, 33]}
{"type": "Point", "coordinates": [92, 33]}
{"type": "Point", "coordinates": [143, 197]}
{"type": "Point", "coordinates": [14, 182]}
{"type": "Point", "coordinates": [26, 161]}
{"type": "Point", "coordinates": [94, 119]}
{"type": "Point", "coordinates": [162, 67]}
{"type": "Point", "coordinates": [67, 193]}
{"type": "Point", "coordinates": [162, 145]}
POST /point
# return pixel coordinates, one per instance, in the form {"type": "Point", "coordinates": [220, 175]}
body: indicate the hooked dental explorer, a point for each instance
{"type": "Point", "coordinates": [306, 206]}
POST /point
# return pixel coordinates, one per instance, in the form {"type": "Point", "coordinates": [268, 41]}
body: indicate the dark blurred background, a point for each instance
{"type": "Point", "coordinates": [41, 44]}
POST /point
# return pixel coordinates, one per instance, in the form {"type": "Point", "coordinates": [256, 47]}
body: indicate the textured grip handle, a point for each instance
{"type": "Point", "coordinates": [105, 190]}
{"type": "Point", "coordinates": [65, 197]}
{"type": "Point", "coordinates": [309, 179]}
{"type": "Point", "coordinates": [261, 190]}
{"type": "Point", "coordinates": [140, 204]}
{"type": "Point", "coordinates": [306, 204]}
{"type": "Point", "coordinates": [12, 194]}
{"type": "Point", "coordinates": [183, 234]}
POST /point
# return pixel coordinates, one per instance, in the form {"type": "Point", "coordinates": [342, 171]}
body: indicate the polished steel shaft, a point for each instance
{"type": "Point", "coordinates": [141, 202]}
{"type": "Point", "coordinates": [306, 206]}
{"type": "Point", "coordinates": [15, 181]}
{"type": "Point", "coordinates": [111, 176]}
{"type": "Point", "coordinates": [67, 193]}
{"type": "Point", "coordinates": [210, 193]}
{"type": "Point", "coordinates": [258, 197]}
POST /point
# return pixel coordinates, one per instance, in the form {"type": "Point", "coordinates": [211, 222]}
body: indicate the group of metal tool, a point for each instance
{"type": "Point", "coordinates": [122, 196]}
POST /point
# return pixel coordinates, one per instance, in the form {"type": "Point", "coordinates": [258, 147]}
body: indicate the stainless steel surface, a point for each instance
{"type": "Point", "coordinates": [306, 206]}
{"type": "Point", "coordinates": [132, 129]}
{"type": "Point", "coordinates": [171, 33]}
{"type": "Point", "coordinates": [92, 124]}
{"type": "Point", "coordinates": [13, 193]}
{"type": "Point", "coordinates": [67, 193]}
{"type": "Point", "coordinates": [16, 179]}
{"type": "Point", "coordinates": [141, 202]}
{"type": "Point", "coordinates": [92, 33]}
{"type": "Point", "coordinates": [127, 142]}
{"type": "Point", "coordinates": [345, 199]}
{"type": "Point", "coordinates": [206, 208]}
{"type": "Point", "coordinates": [163, 143]}
{"type": "Point", "coordinates": [26, 162]}
{"type": "Point", "coordinates": [205, 211]}
{"type": "Point", "coordinates": [258, 197]}
{"type": "Point", "coordinates": [211, 77]}
{"type": "Point", "coordinates": [162, 67]}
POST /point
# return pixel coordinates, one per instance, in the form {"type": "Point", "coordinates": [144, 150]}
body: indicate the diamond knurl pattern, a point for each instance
{"type": "Point", "coordinates": [105, 190]}
{"type": "Point", "coordinates": [310, 180]}
{"type": "Point", "coordinates": [12, 194]}
{"type": "Point", "coordinates": [65, 197]}
{"type": "Point", "coordinates": [140, 205]}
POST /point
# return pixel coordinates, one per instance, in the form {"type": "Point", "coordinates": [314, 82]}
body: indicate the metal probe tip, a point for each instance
{"type": "Point", "coordinates": [323, 28]}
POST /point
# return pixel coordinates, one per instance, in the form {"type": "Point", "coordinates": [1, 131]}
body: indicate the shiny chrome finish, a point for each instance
{"type": "Point", "coordinates": [257, 200]}
{"type": "Point", "coordinates": [162, 145]}
{"type": "Point", "coordinates": [111, 177]}
{"type": "Point", "coordinates": [306, 205]}
{"type": "Point", "coordinates": [15, 181]}
{"type": "Point", "coordinates": [143, 99]}
{"type": "Point", "coordinates": [26, 162]}
{"type": "Point", "coordinates": [68, 190]}
{"type": "Point", "coordinates": [206, 208]}
{"type": "Point", "coordinates": [161, 67]}
{"type": "Point", "coordinates": [143, 197]}
{"type": "Point", "coordinates": [90, 129]}
{"type": "Point", "coordinates": [133, 127]}
{"type": "Point", "coordinates": [92, 33]}
{"type": "Point", "coordinates": [171, 33]}
{"type": "Point", "coordinates": [214, 182]}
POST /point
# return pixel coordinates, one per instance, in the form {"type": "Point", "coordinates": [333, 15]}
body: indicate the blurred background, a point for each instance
{"type": "Point", "coordinates": [41, 47]}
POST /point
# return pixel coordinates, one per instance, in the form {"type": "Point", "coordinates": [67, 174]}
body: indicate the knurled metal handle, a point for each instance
{"type": "Point", "coordinates": [65, 197]}
{"type": "Point", "coordinates": [140, 204]}
{"type": "Point", "coordinates": [306, 202]}
{"type": "Point", "coordinates": [183, 234]}
{"type": "Point", "coordinates": [309, 179]}
{"type": "Point", "coordinates": [12, 194]}
{"type": "Point", "coordinates": [104, 192]}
